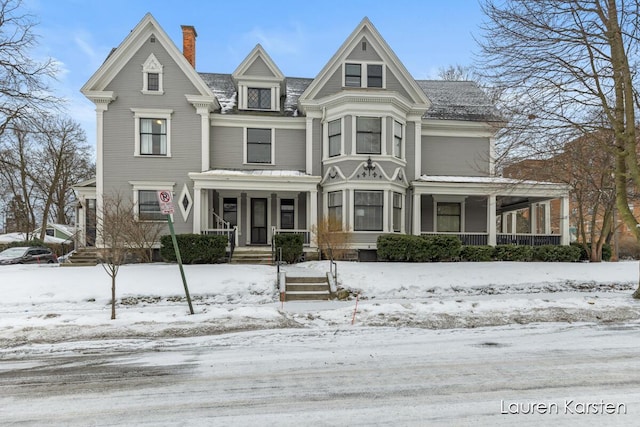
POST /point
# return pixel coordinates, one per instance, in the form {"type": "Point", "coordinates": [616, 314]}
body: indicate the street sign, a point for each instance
{"type": "Point", "coordinates": [166, 202]}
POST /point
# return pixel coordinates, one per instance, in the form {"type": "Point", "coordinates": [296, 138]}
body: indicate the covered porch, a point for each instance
{"type": "Point", "coordinates": [251, 206]}
{"type": "Point", "coordinates": [492, 210]}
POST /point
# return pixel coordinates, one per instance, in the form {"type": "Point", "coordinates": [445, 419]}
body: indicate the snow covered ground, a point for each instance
{"type": "Point", "coordinates": [431, 344]}
{"type": "Point", "coordinates": [53, 304]}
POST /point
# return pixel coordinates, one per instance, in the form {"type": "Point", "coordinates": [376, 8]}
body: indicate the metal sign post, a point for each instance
{"type": "Point", "coordinates": [165, 199]}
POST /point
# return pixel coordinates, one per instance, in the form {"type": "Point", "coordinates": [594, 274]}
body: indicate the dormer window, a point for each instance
{"type": "Point", "coordinates": [152, 76]}
{"type": "Point", "coordinates": [363, 75]}
{"type": "Point", "coordinates": [259, 98]}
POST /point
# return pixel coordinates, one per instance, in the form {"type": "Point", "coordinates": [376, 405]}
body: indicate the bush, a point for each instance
{"type": "Point", "coordinates": [443, 248]}
{"type": "Point", "coordinates": [584, 252]}
{"type": "Point", "coordinates": [291, 245]}
{"type": "Point", "coordinates": [194, 248]}
{"type": "Point", "coordinates": [513, 253]}
{"type": "Point", "coordinates": [552, 253]}
{"type": "Point", "coordinates": [477, 253]}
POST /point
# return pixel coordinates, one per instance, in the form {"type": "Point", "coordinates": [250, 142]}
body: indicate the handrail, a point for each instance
{"type": "Point", "coordinates": [220, 221]}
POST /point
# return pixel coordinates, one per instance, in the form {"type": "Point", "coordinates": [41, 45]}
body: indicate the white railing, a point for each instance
{"type": "Point", "coordinates": [306, 234]}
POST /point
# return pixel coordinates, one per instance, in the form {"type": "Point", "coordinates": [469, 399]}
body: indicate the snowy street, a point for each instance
{"type": "Point", "coordinates": [343, 376]}
{"type": "Point", "coordinates": [431, 344]}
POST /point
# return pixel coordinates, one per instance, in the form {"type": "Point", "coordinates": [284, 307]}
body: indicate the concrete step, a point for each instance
{"type": "Point", "coordinates": [307, 296]}
{"type": "Point", "coordinates": [307, 288]}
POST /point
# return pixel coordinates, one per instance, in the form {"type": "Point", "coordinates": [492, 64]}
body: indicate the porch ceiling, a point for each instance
{"type": "Point", "coordinates": [258, 180]}
{"type": "Point", "coordinates": [498, 186]}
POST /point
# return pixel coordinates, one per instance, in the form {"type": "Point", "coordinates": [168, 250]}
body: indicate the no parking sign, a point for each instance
{"type": "Point", "coordinates": [166, 202]}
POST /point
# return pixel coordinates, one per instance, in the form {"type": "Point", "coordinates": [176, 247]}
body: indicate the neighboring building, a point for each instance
{"type": "Point", "coordinates": [363, 141]}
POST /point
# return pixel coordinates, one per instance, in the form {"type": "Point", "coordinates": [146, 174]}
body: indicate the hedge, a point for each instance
{"type": "Point", "coordinates": [291, 244]}
{"type": "Point", "coordinates": [194, 248]}
{"type": "Point", "coordinates": [552, 253]}
{"type": "Point", "coordinates": [513, 253]}
{"type": "Point", "coordinates": [477, 253]}
{"type": "Point", "coordinates": [409, 248]}
{"type": "Point", "coordinates": [584, 252]}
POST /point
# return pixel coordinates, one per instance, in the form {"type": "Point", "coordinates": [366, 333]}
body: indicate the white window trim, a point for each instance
{"type": "Point", "coordinates": [354, 135]}
{"type": "Point", "coordinates": [150, 186]}
{"type": "Point", "coordinates": [449, 199]}
{"type": "Point", "coordinates": [402, 138]}
{"type": "Point", "coordinates": [325, 204]}
{"type": "Point", "coordinates": [295, 212]}
{"type": "Point", "coordinates": [363, 74]}
{"type": "Point", "coordinates": [325, 139]}
{"type": "Point", "coordinates": [152, 65]}
{"type": "Point", "coordinates": [243, 91]}
{"type": "Point", "coordinates": [273, 146]}
{"type": "Point", "coordinates": [385, 210]}
{"type": "Point", "coordinates": [150, 113]}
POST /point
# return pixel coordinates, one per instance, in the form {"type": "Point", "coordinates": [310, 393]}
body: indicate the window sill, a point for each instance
{"type": "Point", "coordinates": [152, 156]}
{"type": "Point", "coordinates": [152, 92]}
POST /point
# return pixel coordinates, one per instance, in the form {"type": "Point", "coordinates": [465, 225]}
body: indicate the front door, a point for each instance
{"type": "Point", "coordinates": [258, 221]}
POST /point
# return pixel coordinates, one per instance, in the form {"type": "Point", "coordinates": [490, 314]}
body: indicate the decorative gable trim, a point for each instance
{"type": "Point", "coordinates": [258, 52]}
{"type": "Point", "coordinates": [367, 31]}
{"type": "Point", "coordinates": [146, 29]}
{"type": "Point", "coordinates": [152, 65]}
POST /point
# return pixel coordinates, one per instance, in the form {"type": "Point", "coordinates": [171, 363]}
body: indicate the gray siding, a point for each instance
{"type": "Point", "coordinates": [476, 215]}
{"type": "Point", "coordinates": [120, 165]}
{"type": "Point", "coordinates": [258, 68]}
{"type": "Point", "coordinates": [455, 156]}
{"type": "Point", "coordinates": [226, 147]}
{"type": "Point", "coordinates": [316, 150]}
{"type": "Point", "coordinates": [369, 54]}
{"type": "Point", "coordinates": [333, 85]}
{"type": "Point", "coordinates": [290, 149]}
{"type": "Point", "coordinates": [410, 149]}
{"type": "Point", "coordinates": [394, 84]}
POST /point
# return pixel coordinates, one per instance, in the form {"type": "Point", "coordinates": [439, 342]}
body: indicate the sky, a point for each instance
{"type": "Point", "coordinates": [299, 36]}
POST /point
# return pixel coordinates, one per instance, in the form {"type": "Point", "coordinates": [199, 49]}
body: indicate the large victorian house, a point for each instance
{"type": "Point", "coordinates": [256, 153]}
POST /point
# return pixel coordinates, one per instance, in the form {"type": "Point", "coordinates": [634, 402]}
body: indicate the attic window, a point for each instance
{"type": "Point", "coordinates": [152, 39]}
{"type": "Point", "coordinates": [152, 70]}
{"type": "Point", "coordinates": [364, 46]}
{"type": "Point", "coordinates": [259, 98]}
{"type": "Point", "coordinates": [364, 75]}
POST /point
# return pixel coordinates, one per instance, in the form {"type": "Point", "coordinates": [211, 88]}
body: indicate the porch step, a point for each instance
{"type": "Point", "coordinates": [251, 257]}
{"type": "Point", "coordinates": [307, 289]}
{"type": "Point", "coordinates": [82, 257]}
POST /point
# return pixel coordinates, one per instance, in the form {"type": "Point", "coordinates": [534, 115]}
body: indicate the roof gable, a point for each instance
{"type": "Point", "coordinates": [258, 65]}
{"type": "Point", "coordinates": [376, 49]}
{"type": "Point", "coordinates": [148, 27]}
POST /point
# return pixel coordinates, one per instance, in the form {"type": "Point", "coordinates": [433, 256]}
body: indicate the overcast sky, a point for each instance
{"type": "Point", "coordinates": [300, 36]}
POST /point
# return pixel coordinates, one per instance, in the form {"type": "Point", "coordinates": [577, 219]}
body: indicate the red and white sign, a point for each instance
{"type": "Point", "coordinates": [165, 199]}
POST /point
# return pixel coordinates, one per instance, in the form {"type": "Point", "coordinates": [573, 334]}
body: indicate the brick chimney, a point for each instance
{"type": "Point", "coordinates": [189, 43]}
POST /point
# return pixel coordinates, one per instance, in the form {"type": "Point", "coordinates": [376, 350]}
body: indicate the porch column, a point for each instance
{"type": "Point", "coordinates": [417, 214]}
{"type": "Point", "coordinates": [564, 221]}
{"type": "Point", "coordinates": [313, 210]}
{"type": "Point", "coordinates": [197, 210]}
{"type": "Point", "coordinates": [491, 220]}
{"type": "Point", "coordinates": [533, 218]}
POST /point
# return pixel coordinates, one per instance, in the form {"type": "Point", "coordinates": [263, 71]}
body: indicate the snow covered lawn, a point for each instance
{"type": "Point", "coordinates": [41, 304]}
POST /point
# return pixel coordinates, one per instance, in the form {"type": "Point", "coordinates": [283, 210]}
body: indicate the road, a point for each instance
{"type": "Point", "coordinates": [349, 376]}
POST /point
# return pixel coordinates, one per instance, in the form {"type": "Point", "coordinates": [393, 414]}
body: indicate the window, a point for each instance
{"type": "Point", "coordinates": [230, 211]}
{"type": "Point", "coordinates": [153, 137]}
{"type": "Point", "coordinates": [258, 145]}
{"type": "Point", "coordinates": [259, 98]}
{"type": "Point", "coordinates": [287, 214]}
{"type": "Point", "coordinates": [449, 215]}
{"type": "Point", "coordinates": [397, 139]}
{"type": "Point", "coordinates": [334, 205]}
{"type": "Point", "coordinates": [368, 135]}
{"type": "Point", "coordinates": [335, 138]}
{"type": "Point", "coordinates": [368, 207]}
{"type": "Point", "coordinates": [153, 82]}
{"type": "Point", "coordinates": [374, 75]}
{"type": "Point", "coordinates": [152, 76]}
{"type": "Point", "coordinates": [152, 132]}
{"type": "Point", "coordinates": [148, 206]}
{"type": "Point", "coordinates": [397, 212]}
{"type": "Point", "coordinates": [352, 75]}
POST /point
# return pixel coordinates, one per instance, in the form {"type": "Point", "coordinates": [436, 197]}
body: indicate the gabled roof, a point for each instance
{"type": "Point", "coordinates": [258, 54]}
{"type": "Point", "coordinates": [119, 57]}
{"type": "Point", "coordinates": [367, 29]}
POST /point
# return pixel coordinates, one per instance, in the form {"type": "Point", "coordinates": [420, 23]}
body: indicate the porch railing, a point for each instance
{"type": "Point", "coordinates": [476, 239]}
{"type": "Point", "coordinates": [504, 238]}
{"type": "Point", "coordinates": [528, 239]}
{"type": "Point", "coordinates": [306, 234]}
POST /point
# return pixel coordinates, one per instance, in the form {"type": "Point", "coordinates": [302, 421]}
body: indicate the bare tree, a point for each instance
{"type": "Point", "coordinates": [561, 60]}
{"type": "Point", "coordinates": [331, 239]}
{"type": "Point", "coordinates": [23, 81]}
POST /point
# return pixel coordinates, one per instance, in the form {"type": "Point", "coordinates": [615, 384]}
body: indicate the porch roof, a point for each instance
{"type": "Point", "coordinates": [255, 179]}
{"type": "Point", "coordinates": [488, 185]}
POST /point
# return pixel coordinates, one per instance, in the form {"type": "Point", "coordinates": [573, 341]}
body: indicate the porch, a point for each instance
{"type": "Point", "coordinates": [492, 210]}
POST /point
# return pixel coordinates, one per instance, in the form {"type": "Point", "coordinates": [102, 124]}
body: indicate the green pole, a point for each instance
{"type": "Point", "coordinates": [179, 258]}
